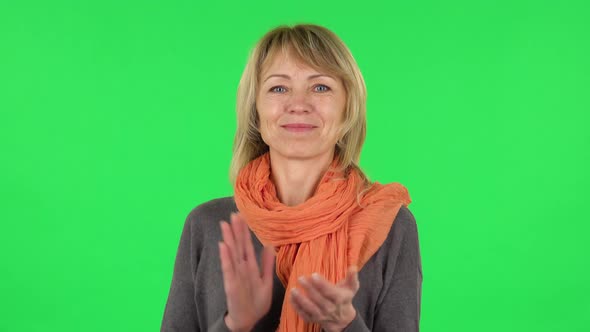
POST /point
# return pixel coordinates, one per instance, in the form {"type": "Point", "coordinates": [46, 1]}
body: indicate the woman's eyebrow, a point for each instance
{"type": "Point", "coordinates": [310, 77]}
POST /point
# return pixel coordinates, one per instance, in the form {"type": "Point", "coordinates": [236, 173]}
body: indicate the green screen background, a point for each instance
{"type": "Point", "coordinates": [117, 118]}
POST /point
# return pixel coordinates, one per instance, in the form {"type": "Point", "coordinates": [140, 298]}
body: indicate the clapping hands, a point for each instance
{"type": "Point", "coordinates": [248, 288]}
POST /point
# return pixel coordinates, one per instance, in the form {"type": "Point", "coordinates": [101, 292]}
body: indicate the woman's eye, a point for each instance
{"type": "Point", "coordinates": [321, 88]}
{"type": "Point", "coordinates": [278, 89]}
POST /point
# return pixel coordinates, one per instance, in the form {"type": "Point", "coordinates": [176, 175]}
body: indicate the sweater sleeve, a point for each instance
{"type": "Point", "coordinates": [357, 325]}
{"type": "Point", "coordinates": [180, 313]}
{"type": "Point", "coordinates": [400, 308]}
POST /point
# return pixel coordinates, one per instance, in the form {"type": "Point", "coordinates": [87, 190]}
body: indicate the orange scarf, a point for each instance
{"type": "Point", "coordinates": [326, 234]}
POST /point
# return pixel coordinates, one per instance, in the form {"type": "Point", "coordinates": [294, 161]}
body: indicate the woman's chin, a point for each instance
{"type": "Point", "coordinates": [301, 153]}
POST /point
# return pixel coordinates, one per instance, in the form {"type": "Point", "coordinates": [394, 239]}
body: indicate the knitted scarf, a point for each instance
{"type": "Point", "coordinates": [326, 234]}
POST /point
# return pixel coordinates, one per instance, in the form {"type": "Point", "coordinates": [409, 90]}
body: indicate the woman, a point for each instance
{"type": "Point", "coordinates": [346, 250]}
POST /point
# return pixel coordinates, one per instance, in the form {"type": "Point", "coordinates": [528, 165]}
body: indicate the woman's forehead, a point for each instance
{"type": "Point", "coordinates": [284, 58]}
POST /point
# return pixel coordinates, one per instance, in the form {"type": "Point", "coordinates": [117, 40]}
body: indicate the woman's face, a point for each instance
{"type": "Point", "coordinates": [300, 109]}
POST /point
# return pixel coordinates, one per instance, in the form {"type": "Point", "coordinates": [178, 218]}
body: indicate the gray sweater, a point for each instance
{"type": "Point", "coordinates": [388, 298]}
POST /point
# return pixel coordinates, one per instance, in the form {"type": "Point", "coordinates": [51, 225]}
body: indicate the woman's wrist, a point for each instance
{"type": "Point", "coordinates": [233, 326]}
{"type": "Point", "coordinates": [348, 317]}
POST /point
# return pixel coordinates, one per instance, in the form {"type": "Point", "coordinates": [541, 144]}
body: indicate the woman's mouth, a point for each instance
{"type": "Point", "coordinates": [299, 127]}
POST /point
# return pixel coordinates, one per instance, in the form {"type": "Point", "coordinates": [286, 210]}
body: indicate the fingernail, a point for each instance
{"type": "Point", "coordinates": [315, 276]}
{"type": "Point", "coordinates": [301, 279]}
{"type": "Point", "coordinates": [294, 291]}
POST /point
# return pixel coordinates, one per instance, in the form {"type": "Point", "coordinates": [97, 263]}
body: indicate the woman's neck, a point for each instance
{"type": "Point", "coordinates": [297, 179]}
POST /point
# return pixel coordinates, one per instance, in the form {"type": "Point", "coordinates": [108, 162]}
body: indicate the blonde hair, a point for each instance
{"type": "Point", "coordinates": [318, 48]}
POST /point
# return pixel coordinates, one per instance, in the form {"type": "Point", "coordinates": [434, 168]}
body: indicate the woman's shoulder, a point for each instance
{"type": "Point", "coordinates": [404, 224]}
{"type": "Point", "coordinates": [208, 214]}
{"type": "Point", "coordinates": [214, 206]}
{"type": "Point", "coordinates": [405, 218]}
{"type": "Point", "coordinates": [403, 233]}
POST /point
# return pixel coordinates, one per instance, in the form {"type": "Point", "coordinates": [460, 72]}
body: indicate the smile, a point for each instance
{"type": "Point", "coordinates": [299, 127]}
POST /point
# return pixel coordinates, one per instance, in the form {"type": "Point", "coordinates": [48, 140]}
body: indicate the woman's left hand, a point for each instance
{"type": "Point", "coordinates": [325, 303]}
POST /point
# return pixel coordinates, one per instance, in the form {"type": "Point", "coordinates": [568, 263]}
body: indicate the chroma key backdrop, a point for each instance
{"type": "Point", "coordinates": [117, 118]}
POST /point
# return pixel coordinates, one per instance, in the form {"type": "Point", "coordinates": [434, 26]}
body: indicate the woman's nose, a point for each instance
{"type": "Point", "coordinates": [299, 101]}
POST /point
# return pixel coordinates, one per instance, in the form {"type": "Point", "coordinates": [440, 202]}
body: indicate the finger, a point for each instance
{"type": "Point", "coordinates": [352, 279]}
{"type": "Point", "coordinates": [296, 303]}
{"type": "Point", "coordinates": [229, 238]}
{"type": "Point", "coordinates": [230, 242]}
{"type": "Point", "coordinates": [307, 306]}
{"type": "Point", "coordinates": [324, 304]}
{"type": "Point", "coordinates": [237, 231]}
{"type": "Point", "coordinates": [330, 291]}
{"type": "Point", "coordinates": [268, 262]}
{"type": "Point", "coordinates": [226, 267]}
{"type": "Point", "coordinates": [249, 255]}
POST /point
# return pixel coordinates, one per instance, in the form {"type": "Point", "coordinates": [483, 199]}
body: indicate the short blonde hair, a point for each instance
{"type": "Point", "coordinates": [320, 49]}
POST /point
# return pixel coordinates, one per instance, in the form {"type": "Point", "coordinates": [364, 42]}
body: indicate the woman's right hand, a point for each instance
{"type": "Point", "coordinates": [248, 290]}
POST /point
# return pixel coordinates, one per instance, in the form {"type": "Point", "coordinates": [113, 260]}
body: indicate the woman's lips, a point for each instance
{"type": "Point", "coordinates": [299, 127]}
